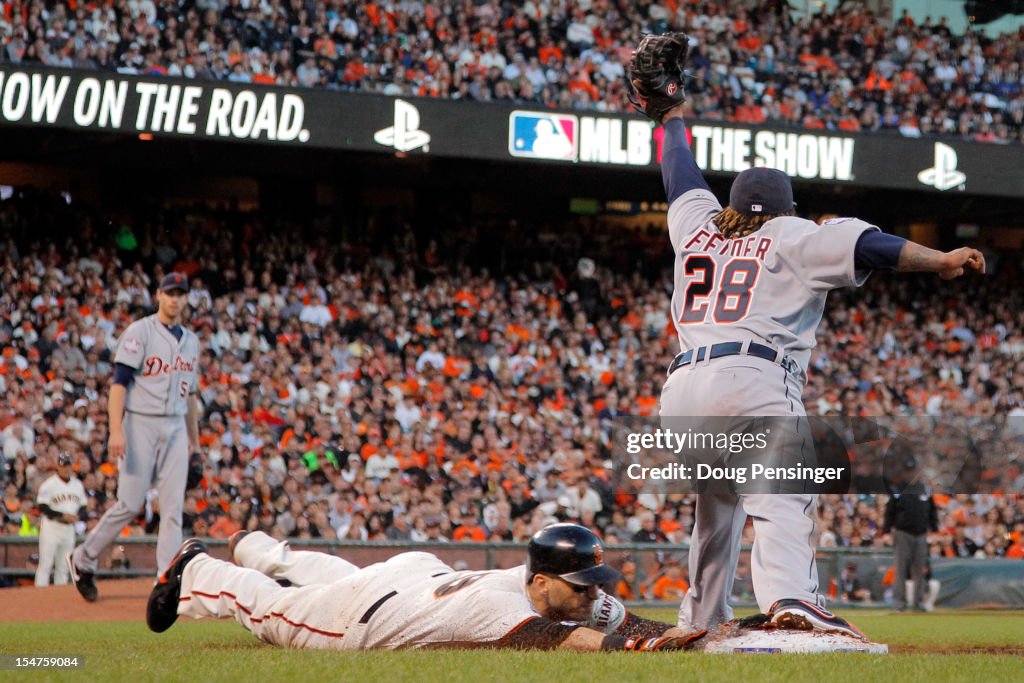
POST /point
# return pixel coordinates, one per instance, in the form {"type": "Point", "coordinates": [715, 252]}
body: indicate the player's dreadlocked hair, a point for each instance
{"type": "Point", "coordinates": [733, 224]}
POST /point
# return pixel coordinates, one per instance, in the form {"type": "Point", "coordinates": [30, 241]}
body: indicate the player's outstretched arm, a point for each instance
{"type": "Point", "coordinates": [917, 258]}
{"type": "Point", "coordinates": [614, 643]}
{"type": "Point", "coordinates": [679, 170]}
{"type": "Point", "coordinates": [877, 250]}
{"type": "Point", "coordinates": [544, 634]}
{"type": "Point", "coordinates": [634, 625]}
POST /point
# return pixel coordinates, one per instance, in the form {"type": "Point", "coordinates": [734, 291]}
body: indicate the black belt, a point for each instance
{"type": "Point", "coordinates": [731, 349]}
{"type": "Point", "coordinates": [376, 606]}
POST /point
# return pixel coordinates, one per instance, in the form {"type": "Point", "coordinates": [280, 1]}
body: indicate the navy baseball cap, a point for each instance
{"type": "Point", "coordinates": [761, 191]}
{"type": "Point", "coordinates": [173, 281]}
{"type": "Point", "coordinates": [64, 459]}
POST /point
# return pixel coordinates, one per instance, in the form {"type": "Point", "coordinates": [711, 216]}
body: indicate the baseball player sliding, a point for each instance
{"type": "Point", "coordinates": [411, 601]}
{"type": "Point", "coordinates": [750, 286]}
{"type": "Point", "coordinates": [61, 499]}
{"type": "Point", "coordinates": [153, 426]}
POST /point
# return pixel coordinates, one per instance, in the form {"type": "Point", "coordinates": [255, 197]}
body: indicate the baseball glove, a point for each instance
{"type": "Point", "coordinates": [754, 621]}
{"type": "Point", "coordinates": [764, 622]}
{"type": "Point", "coordinates": [657, 73]}
{"type": "Point", "coordinates": [195, 471]}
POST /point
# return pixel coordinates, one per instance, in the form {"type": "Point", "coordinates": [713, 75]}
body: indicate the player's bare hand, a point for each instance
{"type": "Point", "coordinates": [958, 261]}
{"type": "Point", "coordinates": [115, 444]}
{"type": "Point", "coordinates": [69, 518]}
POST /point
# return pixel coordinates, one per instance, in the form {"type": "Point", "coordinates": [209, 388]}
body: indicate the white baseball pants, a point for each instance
{"type": "Point", "coordinates": [56, 539]}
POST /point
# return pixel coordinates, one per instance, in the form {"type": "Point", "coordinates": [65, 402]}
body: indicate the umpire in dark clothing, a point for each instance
{"type": "Point", "coordinates": [910, 514]}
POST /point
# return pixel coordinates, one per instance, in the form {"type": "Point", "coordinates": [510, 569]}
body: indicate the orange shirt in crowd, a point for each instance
{"type": "Point", "coordinates": [750, 114]}
{"type": "Point", "coordinates": [849, 124]}
{"type": "Point", "coordinates": [470, 532]}
{"type": "Point", "coordinates": [548, 53]}
{"type": "Point", "coordinates": [672, 590]}
{"type": "Point", "coordinates": [224, 527]}
{"type": "Point", "coordinates": [647, 405]}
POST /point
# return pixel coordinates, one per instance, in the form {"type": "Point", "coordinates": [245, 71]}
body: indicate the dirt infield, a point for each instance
{"type": "Point", "coordinates": [120, 600]}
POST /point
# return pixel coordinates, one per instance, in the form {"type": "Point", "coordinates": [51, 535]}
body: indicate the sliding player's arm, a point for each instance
{"type": "Point", "coordinates": [544, 634]}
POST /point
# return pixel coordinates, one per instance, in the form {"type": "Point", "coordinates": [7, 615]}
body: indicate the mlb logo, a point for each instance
{"type": "Point", "coordinates": [543, 135]}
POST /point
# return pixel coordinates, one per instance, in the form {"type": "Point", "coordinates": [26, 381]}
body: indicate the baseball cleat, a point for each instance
{"type": "Point", "coordinates": [233, 542]}
{"type": "Point", "coordinates": [84, 581]}
{"type": "Point", "coordinates": [162, 608]}
{"type": "Point", "coordinates": [819, 618]}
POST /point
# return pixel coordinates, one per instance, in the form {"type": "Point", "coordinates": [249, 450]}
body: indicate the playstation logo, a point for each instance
{"type": "Point", "coordinates": [404, 135]}
{"type": "Point", "coordinates": [943, 175]}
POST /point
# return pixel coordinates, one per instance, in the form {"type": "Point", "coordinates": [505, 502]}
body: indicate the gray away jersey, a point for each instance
{"type": "Point", "coordinates": [166, 370]}
{"type": "Point", "coordinates": [767, 287]}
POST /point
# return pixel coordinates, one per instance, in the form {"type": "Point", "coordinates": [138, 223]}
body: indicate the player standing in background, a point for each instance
{"type": "Point", "coordinates": [412, 600]}
{"type": "Point", "coordinates": [60, 500]}
{"type": "Point", "coordinates": [750, 288]}
{"type": "Point", "coordinates": [153, 428]}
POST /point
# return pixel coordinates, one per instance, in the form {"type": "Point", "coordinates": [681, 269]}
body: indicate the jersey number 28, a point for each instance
{"type": "Point", "coordinates": [733, 289]}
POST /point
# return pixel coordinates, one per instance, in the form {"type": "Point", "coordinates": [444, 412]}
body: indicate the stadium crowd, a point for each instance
{"type": "Point", "coordinates": [398, 385]}
{"type": "Point", "coordinates": [847, 70]}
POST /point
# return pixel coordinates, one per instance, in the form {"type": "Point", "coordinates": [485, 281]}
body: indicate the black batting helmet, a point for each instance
{"type": "Point", "coordinates": [571, 552]}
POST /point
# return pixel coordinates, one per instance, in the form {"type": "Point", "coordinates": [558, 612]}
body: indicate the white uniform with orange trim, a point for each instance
{"type": "Point", "coordinates": [57, 538]}
{"type": "Point", "coordinates": [412, 600]}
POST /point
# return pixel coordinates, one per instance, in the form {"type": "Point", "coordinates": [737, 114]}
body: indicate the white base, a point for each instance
{"type": "Point", "coordinates": [779, 641]}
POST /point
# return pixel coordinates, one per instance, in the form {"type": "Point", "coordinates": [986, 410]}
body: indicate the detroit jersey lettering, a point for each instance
{"type": "Point", "coordinates": [165, 367]}
{"type": "Point", "coordinates": [769, 287]}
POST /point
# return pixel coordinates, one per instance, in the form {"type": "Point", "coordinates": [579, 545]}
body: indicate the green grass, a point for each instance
{"type": "Point", "coordinates": [214, 651]}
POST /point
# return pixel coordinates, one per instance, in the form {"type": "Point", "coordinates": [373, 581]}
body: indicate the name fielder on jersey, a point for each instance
{"type": "Point", "coordinates": [734, 286]}
{"type": "Point", "coordinates": [755, 246]}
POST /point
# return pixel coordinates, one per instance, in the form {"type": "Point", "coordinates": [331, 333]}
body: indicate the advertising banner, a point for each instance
{"type": "Point", "coordinates": [219, 110]}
